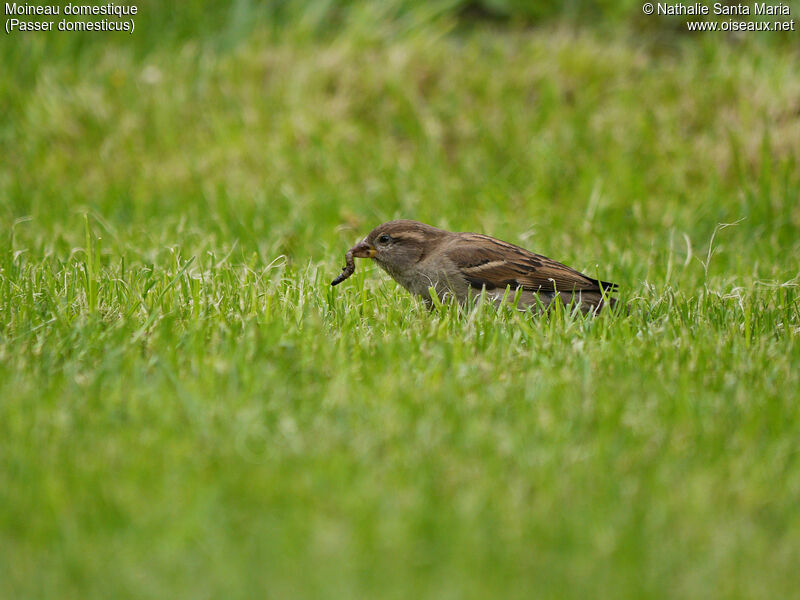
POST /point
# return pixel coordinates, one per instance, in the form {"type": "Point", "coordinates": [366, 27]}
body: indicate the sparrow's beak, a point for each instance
{"type": "Point", "coordinates": [363, 250]}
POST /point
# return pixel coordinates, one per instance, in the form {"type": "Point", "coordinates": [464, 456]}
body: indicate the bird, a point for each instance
{"type": "Point", "coordinates": [425, 259]}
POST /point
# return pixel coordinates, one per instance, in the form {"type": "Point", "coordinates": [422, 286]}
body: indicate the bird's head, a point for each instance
{"type": "Point", "coordinates": [398, 245]}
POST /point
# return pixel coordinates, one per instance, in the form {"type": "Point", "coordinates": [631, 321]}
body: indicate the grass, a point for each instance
{"type": "Point", "coordinates": [187, 408]}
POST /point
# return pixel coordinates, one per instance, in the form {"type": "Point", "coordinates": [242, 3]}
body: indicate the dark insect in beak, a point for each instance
{"type": "Point", "coordinates": [360, 250]}
{"type": "Point", "coordinates": [348, 268]}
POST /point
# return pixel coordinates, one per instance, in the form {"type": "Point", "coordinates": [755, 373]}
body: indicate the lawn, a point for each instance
{"type": "Point", "coordinates": [188, 409]}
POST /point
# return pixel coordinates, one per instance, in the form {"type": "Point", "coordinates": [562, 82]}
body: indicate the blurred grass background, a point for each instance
{"type": "Point", "coordinates": [187, 409]}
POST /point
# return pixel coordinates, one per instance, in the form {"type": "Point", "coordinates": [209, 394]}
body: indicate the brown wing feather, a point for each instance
{"type": "Point", "coordinates": [486, 261]}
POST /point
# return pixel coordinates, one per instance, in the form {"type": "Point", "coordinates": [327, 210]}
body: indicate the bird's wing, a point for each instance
{"type": "Point", "coordinates": [487, 262]}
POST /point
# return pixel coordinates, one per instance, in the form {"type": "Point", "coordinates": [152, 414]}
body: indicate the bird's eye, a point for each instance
{"type": "Point", "coordinates": [384, 239]}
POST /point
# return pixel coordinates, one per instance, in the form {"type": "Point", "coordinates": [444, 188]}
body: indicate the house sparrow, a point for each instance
{"type": "Point", "coordinates": [420, 257]}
